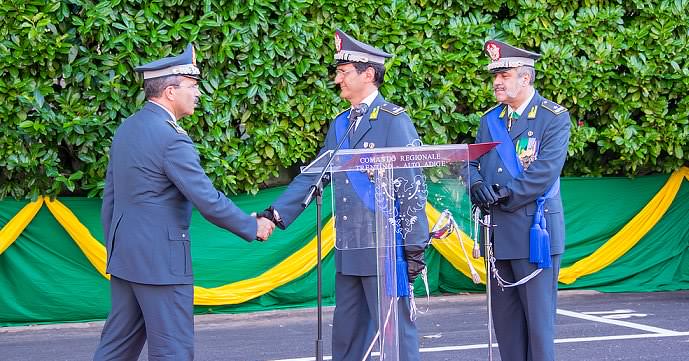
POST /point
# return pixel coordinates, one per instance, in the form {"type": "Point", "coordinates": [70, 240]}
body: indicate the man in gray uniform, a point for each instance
{"type": "Point", "coordinates": [359, 74]}
{"type": "Point", "coordinates": [518, 184]}
{"type": "Point", "coordinates": [154, 177]}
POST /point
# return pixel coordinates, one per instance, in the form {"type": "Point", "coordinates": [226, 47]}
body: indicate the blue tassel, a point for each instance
{"type": "Point", "coordinates": [535, 244]}
{"type": "Point", "coordinates": [544, 246]}
{"type": "Point", "coordinates": [402, 282]}
{"type": "Point", "coordinates": [539, 239]}
{"type": "Point", "coordinates": [402, 276]}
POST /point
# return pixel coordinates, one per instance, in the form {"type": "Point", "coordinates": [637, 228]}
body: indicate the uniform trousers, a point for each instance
{"type": "Point", "coordinates": [161, 314]}
{"type": "Point", "coordinates": [524, 316]}
{"type": "Point", "coordinates": [355, 320]}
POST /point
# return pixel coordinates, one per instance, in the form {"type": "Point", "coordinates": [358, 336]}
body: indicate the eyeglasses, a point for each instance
{"type": "Point", "coordinates": [339, 72]}
{"type": "Point", "coordinates": [193, 86]}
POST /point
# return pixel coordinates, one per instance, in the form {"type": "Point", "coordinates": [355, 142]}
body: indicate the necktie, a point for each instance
{"type": "Point", "coordinates": [513, 117]}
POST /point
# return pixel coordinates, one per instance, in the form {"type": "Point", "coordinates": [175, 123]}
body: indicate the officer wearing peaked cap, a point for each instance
{"type": "Point", "coordinates": [183, 64]}
{"type": "Point", "coordinates": [359, 73]}
{"type": "Point", "coordinates": [518, 184]}
{"type": "Point", "coordinates": [153, 179]}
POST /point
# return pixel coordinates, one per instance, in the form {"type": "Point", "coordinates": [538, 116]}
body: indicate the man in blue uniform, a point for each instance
{"type": "Point", "coordinates": [518, 184]}
{"type": "Point", "coordinates": [359, 74]}
{"type": "Point", "coordinates": [154, 178]}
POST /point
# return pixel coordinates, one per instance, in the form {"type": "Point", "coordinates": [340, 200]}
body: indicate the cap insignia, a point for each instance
{"type": "Point", "coordinates": [338, 42]}
{"type": "Point", "coordinates": [493, 51]}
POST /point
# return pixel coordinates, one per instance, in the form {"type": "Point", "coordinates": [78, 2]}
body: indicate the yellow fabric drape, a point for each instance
{"type": "Point", "coordinates": [92, 249]}
{"type": "Point", "coordinates": [450, 249]}
{"type": "Point", "coordinates": [286, 271]}
{"type": "Point", "coordinates": [304, 260]}
{"type": "Point", "coordinates": [16, 225]}
{"type": "Point", "coordinates": [630, 234]}
{"type": "Point", "coordinates": [291, 268]}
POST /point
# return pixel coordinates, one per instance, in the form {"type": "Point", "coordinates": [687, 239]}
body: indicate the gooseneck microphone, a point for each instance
{"type": "Point", "coordinates": [357, 111]}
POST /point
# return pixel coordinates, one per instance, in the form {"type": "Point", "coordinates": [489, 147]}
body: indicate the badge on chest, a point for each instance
{"type": "Point", "coordinates": [527, 150]}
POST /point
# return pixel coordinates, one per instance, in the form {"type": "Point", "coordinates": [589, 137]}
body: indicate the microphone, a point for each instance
{"type": "Point", "coordinates": [358, 111]}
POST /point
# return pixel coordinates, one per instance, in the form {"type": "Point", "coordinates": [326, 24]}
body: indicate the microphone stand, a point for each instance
{"type": "Point", "coordinates": [487, 254]}
{"type": "Point", "coordinates": [316, 190]}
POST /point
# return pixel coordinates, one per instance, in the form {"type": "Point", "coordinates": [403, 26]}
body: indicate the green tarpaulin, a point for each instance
{"type": "Point", "coordinates": [44, 276]}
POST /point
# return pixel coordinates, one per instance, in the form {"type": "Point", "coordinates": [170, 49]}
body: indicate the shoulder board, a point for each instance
{"type": "Point", "coordinates": [491, 108]}
{"type": "Point", "coordinates": [553, 107]}
{"type": "Point", "coordinates": [177, 128]}
{"type": "Point", "coordinates": [391, 108]}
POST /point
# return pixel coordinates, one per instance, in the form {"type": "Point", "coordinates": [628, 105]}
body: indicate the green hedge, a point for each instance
{"type": "Point", "coordinates": [66, 79]}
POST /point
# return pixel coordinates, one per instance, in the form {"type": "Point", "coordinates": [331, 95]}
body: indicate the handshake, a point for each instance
{"type": "Point", "coordinates": [485, 196]}
{"type": "Point", "coordinates": [266, 222]}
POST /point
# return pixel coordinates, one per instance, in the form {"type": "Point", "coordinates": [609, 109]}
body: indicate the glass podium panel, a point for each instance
{"type": "Point", "coordinates": [379, 201]}
{"type": "Point", "coordinates": [359, 190]}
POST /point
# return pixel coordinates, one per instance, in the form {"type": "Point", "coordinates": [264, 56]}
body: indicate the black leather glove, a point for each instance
{"type": "Point", "coordinates": [503, 193]}
{"type": "Point", "coordinates": [416, 262]}
{"type": "Point", "coordinates": [483, 195]}
{"type": "Point", "coordinates": [270, 214]}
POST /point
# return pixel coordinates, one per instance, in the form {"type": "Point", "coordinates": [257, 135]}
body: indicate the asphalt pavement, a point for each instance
{"type": "Point", "coordinates": [590, 326]}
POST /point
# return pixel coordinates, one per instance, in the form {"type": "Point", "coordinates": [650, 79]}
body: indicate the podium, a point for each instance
{"type": "Point", "coordinates": [379, 202]}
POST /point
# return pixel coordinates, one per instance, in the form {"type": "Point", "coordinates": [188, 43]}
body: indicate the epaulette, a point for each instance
{"type": "Point", "coordinates": [491, 108]}
{"type": "Point", "coordinates": [177, 128]}
{"type": "Point", "coordinates": [391, 108]}
{"type": "Point", "coordinates": [553, 107]}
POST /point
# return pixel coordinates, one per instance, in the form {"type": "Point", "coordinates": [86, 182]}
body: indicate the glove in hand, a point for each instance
{"type": "Point", "coordinates": [483, 195]}
{"type": "Point", "coordinates": [502, 193]}
{"type": "Point", "coordinates": [416, 262]}
{"type": "Point", "coordinates": [269, 213]}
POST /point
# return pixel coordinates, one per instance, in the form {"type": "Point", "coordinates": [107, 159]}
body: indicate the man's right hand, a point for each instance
{"type": "Point", "coordinates": [264, 228]}
{"type": "Point", "coordinates": [483, 195]}
{"type": "Point", "coordinates": [272, 214]}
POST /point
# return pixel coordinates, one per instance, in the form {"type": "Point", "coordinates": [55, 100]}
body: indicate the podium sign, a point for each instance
{"type": "Point", "coordinates": [379, 201]}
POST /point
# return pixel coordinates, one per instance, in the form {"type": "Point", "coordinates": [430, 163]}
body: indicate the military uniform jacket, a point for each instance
{"type": "Point", "coordinates": [384, 125]}
{"type": "Point", "coordinates": [154, 177]}
{"type": "Point", "coordinates": [547, 124]}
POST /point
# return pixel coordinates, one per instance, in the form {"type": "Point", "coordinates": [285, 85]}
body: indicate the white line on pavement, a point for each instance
{"type": "Point", "coordinates": [560, 340]}
{"type": "Point", "coordinates": [607, 312]}
{"type": "Point", "coordinates": [616, 322]}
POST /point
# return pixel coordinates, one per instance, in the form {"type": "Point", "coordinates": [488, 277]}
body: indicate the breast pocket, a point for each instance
{"type": "Point", "coordinates": [180, 252]}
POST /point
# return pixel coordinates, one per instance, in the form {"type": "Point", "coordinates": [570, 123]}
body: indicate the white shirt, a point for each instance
{"type": "Point", "coordinates": [368, 100]}
{"type": "Point", "coordinates": [172, 116]}
{"type": "Point", "coordinates": [522, 107]}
